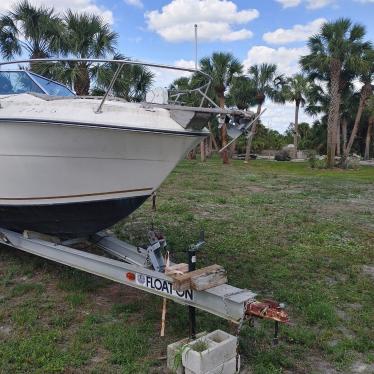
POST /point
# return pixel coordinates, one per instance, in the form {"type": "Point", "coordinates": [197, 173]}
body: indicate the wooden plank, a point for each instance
{"type": "Point", "coordinates": [176, 269]}
{"type": "Point", "coordinates": [211, 276]}
{"type": "Point", "coordinates": [206, 281]}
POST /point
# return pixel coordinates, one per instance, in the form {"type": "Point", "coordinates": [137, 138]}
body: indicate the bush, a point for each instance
{"type": "Point", "coordinates": [312, 158]}
{"type": "Point", "coordinates": [282, 155]}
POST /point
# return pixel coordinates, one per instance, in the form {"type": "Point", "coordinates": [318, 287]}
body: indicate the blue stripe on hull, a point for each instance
{"type": "Point", "coordinates": [68, 220]}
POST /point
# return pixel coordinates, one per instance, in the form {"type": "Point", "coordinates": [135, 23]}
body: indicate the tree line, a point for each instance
{"type": "Point", "coordinates": [37, 31]}
{"type": "Point", "coordinates": [335, 82]}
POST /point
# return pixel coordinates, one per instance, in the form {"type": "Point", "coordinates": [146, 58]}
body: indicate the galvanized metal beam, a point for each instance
{"type": "Point", "coordinates": [224, 301]}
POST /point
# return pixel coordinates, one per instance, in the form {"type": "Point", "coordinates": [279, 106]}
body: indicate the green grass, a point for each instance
{"type": "Point", "coordinates": [284, 230]}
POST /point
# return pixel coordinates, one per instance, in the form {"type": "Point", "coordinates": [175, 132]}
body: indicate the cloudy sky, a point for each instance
{"type": "Point", "coordinates": [255, 31]}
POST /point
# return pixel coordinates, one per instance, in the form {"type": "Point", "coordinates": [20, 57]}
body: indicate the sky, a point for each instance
{"type": "Point", "coordinates": [255, 31]}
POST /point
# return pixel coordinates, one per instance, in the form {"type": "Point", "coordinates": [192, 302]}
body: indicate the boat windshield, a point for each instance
{"type": "Point", "coordinates": [17, 82]}
{"type": "Point", "coordinates": [51, 87]}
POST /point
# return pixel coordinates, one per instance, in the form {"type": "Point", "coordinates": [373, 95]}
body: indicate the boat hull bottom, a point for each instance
{"type": "Point", "coordinates": [68, 220]}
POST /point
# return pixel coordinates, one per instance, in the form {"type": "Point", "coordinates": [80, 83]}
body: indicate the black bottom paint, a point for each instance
{"type": "Point", "coordinates": [68, 220]}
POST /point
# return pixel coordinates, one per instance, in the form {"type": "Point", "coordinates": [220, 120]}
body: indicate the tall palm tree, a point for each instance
{"type": "Point", "coordinates": [296, 90]}
{"type": "Point", "coordinates": [370, 112]}
{"type": "Point", "coordinates": [338, 46]}
{"type": "Point", "coordinates": [266, 83]}
{"type": "Point", "coordinates": [86, 36]}
{"type": "Point", "coordinates": [222, 67]}
{"type": "Point", "coordinates": [30, 29]}
{"type": "Point", "coordinates": [366, 69]}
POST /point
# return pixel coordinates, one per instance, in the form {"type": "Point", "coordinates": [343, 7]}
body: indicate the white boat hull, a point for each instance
{"type": "Point", "coordinates": [46, 163]}
{"type": "Point", "coordinates": [71, 179]}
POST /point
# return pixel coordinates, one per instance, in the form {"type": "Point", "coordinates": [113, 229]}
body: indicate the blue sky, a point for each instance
{"type": "Point", "coordinates": [255, 31]}
{"type": "Point", "coordinates": [139, 41]}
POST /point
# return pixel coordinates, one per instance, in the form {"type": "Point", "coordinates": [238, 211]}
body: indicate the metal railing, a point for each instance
{"type": "Point", "coordinates": [202, 90]}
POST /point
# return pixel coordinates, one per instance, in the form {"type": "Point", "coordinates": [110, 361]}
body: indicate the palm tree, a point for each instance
{"type": "Point", "coordinates": [242, 93]}
{"type": "Point", "coordinates": [338, 46]}
{"type": "Point", "coordinates": [296, 90]}
{"type": "Point", "coordinates": [366, 77]}
{"type": "Point", "coordinates": [370, 111]}
{"type": "Point", "coordinates": [266, 83]}
{"type": "Point", "coordinates": [29, 29]}
{"type": "Point", "coordinates": [222, 67]}
{"type": "Point", "coordinates": [86, 36]}
{"type": "Point", "coordinates": [132, 83]}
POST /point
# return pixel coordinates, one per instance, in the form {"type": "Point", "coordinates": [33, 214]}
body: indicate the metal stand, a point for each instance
{"type": "Point", "coordinates": [191, 267]}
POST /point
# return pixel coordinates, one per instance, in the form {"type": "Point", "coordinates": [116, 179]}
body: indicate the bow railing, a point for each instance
{"type": "Point", "coordinates": [202, 90]}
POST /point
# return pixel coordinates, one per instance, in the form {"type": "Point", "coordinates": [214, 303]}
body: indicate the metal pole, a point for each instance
{"type": "Point", "coordinates": [276, 332]}
{"type": "Point", "coordinates": [191, 309]}
{"type": "Point", "coordinates": [111, 84]}
{"type": "Point", "coordinates": [195, 46]}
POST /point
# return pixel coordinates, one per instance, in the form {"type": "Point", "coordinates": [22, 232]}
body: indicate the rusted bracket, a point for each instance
{"type": "Point", "coordinates": [267, 309]}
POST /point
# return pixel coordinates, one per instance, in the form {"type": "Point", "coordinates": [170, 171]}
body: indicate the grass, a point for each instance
{"type": "Point", "coordinates": [284, 230]}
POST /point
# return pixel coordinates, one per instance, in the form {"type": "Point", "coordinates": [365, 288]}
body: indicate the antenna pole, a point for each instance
{"type": "Point", "coordinates": [196, 46]}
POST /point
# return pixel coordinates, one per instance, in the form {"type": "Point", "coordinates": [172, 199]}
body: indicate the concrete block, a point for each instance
{"type": "Point", "coordinates": [173, 349]}
{"type": "Point", "coordinates": [229, 367]}
{"type": "Point", "coordinates": [221, 347]}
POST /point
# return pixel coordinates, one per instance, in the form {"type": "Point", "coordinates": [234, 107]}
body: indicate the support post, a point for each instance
{"type": "Point", "coordinates": [276, 332]}
{"type": "Point", "coordinates": [191, 309]}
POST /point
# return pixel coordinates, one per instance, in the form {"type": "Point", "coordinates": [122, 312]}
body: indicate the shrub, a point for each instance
{"type": "Point", "coordinates": [282, 155]}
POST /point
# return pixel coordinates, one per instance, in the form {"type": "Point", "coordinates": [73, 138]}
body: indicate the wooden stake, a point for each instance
{"type": "Point", "coordinates": [163, 318]}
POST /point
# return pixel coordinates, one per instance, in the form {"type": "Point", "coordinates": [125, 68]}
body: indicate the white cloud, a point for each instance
{"type": "Point", "coordinates": [189, 64]}
{"type": "Point", "coordinates": [61, 6]}
{"type": "Point", "coordinates": [317, 4]}
{"type": "Point", "coordinates": [215, 20]}
{"type": "Point", "coordinates": [289, 3]}
{"type": "Point", "coordinates": [164, 77]}
{"type": "Point", "coordinates": [135, 3]}
{"type": "Point", "coordinates": [279, 116]}
{"type": "Point", "coordinates": [310, 4]}
{"type": "Point", "coordinates": [285, 58]}
{"type": "Point", "coordinates": [364, 1]}
{"type": "Point", "coordinates": [298, 33]}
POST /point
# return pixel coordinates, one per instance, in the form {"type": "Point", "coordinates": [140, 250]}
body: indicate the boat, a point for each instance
{"type": "Point", "coordinates": [72, 166]}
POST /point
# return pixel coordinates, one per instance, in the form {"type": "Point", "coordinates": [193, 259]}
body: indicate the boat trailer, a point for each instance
{"type": "Point", "coordinates": [146, 270]}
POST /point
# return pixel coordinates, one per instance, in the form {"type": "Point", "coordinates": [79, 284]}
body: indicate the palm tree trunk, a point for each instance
{"type": "Point", "coordinates": [344, 132]}
{"type": "Point", "coordinates": [212, 138]}
{"type": "Point", "coordinates": [202, 151]}
{"type": "Point", "coordinates": [368, 138]}
{"type": "Point", "coordinates": [35, 66]}
{"type": "Point", "coordinates": [333, 115]}
{"type": "Point", "coordinates": [82, 82]}
{"type": "Point", "coordinates": [225, 154]}
{"type": "Point", "coordinates": [296, 134]}
{"type": "Point", "coordinates": [251, 136]}
{"type": "Point", "coordinates": [338, 142]}
{"type": "Point", "coordinates": [210, 146]}
{"type": "Point", "coordinates": [365, 94]}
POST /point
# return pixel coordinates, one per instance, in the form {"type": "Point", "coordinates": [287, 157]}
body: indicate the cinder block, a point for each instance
{"type": "Point", "coordinates": [172, 350]}
{"type": "Point", "coordinates": [229, 367]}
{"type": "Point", "coordinates": [221, 347]}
